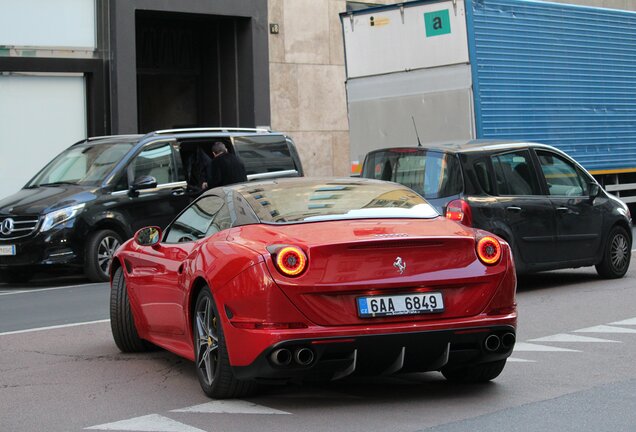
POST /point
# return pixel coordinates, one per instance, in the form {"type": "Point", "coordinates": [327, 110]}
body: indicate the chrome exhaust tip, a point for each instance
{"type": "Point", "coordinates": [304, 356]}
{"type": "Point", "coordinates": [281, 357]}
{"type": "Point", "coordinates": [492, 343]}
{"type": "Point", "coordinates": [508, 340]}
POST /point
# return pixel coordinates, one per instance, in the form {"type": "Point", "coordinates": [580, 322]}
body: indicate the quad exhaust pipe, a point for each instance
{"type": "Point", "coordinates": [492, 343]}
{"type": "Point", "coordinates": [508, 340]}
{"type": "Point", "coordinates": [301, 356]}
{"type": "Point", "coordinates": [304, 356]}
{"type": "Point", "coordinates": [281, 357]}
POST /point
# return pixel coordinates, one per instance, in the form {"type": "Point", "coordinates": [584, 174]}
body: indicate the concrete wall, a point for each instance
{"type": "Point", "coordinates": [307, 76]}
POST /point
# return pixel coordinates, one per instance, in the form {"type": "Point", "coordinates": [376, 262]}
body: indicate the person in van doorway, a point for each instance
{"type": "Point", "coordinates": [198, 167]}
{"type": "Point", "coordinates": [226, 168]}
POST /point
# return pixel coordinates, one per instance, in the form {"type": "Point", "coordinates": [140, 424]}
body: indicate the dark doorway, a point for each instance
{"type": "Point", "coordinates": [193, 71]}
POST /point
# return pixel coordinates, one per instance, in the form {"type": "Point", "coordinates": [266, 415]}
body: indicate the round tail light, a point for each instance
{"type": "Point", "coordinates": [489, 250]}
{"type": "Point", "coordinates": [291, 261]}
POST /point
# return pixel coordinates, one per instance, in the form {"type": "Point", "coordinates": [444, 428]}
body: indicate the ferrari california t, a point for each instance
{"type": "Point", "coordinates": [318, 279]}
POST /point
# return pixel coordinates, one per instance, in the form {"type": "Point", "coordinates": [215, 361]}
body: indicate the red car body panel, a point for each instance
{"type": "Point", "coordinates": [346, 259]}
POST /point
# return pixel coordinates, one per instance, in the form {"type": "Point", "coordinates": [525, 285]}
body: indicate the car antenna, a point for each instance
{"type": "Point", "coordinates": [419, 143]}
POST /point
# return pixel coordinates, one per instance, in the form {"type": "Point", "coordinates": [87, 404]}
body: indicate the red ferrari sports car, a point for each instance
{"type": "Point", "coordinates": [316, 279]}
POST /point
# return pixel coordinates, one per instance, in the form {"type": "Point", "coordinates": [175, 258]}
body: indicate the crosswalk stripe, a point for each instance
{"type": "Point", "coordinates": [605, 329]}
{"type": "Point", "coordinates": [523, 346]}
{"type": "Point", "coordinates": [147, 423]}
{"type": "Point", "coordinates": [631, 321]}
{"type": "Point", "coordinates": [230, 407]}
{"type": "Point", "coordinates": [564, 337]}
{"type": "Point", "coordinates": [520, 360]}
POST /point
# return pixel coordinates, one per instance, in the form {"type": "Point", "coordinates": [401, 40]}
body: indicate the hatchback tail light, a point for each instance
{"type": "Point", "coordinates": [290, 261]}
{"type": "Point", "coordinates": [459, 210]}
{"type": "Point", "coordinates": [489, 250]}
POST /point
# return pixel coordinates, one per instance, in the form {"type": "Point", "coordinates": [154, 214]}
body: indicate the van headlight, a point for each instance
{"type": "Point", "coordinates": [59, 216]}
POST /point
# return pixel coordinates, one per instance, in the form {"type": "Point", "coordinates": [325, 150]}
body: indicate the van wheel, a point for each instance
{"type": "Point", "coordinates": [100, 249]}
{"type": "Point", "coordinates": [616, 254]}
{"type": "Point", "coordinates": [122, 323]}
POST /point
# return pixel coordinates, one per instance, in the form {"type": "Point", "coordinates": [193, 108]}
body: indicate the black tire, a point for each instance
{"type": "Point", "coordinates": [478, 373]}
{"type": "Point", "coordinates": [212, 362]}
{"type": "Point", "coordinates": [616, 254]}
{"type": "Point", "coordinates": [100, 248]}
{"type": "Point", "coordinates": [15, 276]}
{"type": "Point", "coordinates": [122, 323]}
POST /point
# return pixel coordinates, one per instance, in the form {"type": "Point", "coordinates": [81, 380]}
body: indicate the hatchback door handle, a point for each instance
{"type": "Point", "coordinates": [514, 209]}
{"type": "Point", "coordinates": [178, 191]}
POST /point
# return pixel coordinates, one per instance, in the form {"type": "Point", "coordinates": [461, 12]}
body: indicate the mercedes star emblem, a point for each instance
{"type": "Point", "coordinates": [6, 227]}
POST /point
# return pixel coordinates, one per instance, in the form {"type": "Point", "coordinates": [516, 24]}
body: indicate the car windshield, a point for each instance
{"type": "Point", "coordinates": [86, 164]}
{"type": "Point", "coordinates": [432, 174]}
{"type": "Point", "coordinates": [316, 200]}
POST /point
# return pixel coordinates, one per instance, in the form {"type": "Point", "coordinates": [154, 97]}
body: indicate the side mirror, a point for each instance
{"type": "Point", "coordinates": [144, 182]}
{"type": "Point", "coordinates": [595, 190]}
{"type": "Point", "coordinates": [148, 236]}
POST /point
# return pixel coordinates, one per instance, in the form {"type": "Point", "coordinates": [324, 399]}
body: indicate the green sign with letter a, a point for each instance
{"type": "Point", "coordinates": [437, 23]}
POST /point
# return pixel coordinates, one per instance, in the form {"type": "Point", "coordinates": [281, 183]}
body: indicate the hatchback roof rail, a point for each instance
{"type": "Point", "coordinates": [212, 129]}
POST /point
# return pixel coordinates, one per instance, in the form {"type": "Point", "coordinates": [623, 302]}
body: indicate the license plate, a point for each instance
{"type": "Point", "coordinates": [406, 304]}
{"type": "Point", "coordinates": [7, 250]}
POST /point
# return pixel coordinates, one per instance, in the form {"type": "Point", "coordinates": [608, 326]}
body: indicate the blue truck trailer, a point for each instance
{"type": "Point", "coordinates": [559, 74]}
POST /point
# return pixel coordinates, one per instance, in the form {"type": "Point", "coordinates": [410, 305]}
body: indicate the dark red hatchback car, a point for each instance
{"type": "Point", "coordinates": [316, 278]}
{"type": "Point", "coordinates": [549, 209]}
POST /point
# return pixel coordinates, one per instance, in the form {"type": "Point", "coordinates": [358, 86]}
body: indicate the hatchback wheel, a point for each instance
{"type": "Point", "coordinates": [210, 352]}
{"type": "Point", "coordinates": [100, 249]}
{"type": "Point", "coordinates": [616, 254]}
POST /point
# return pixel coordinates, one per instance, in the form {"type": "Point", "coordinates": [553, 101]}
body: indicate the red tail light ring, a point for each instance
{"type": "Point", "coordinates": [291, 261]}
{"type": "Point", "coordinates": [489, 250]}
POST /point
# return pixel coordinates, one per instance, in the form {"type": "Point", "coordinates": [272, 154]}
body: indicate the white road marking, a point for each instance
{"type": "Point", "coordinates": [605, 329]}
{"type": "Point", "coordinates": [54, 327]}
{"type": "Point", "coordinates": [520, 360]}
{"type": "Point", "coordinates": [563, 337]}
{"type": "Point", "coordinates": [631, 321]}
{"type": "Point", "coordinates": [147, 423]}
{"type": "Point", "coordinates": [230, 407]}
{"type": "Point", "coordinates": [523, 346]}
{"type": "Point", "coordinates": [4, 293]}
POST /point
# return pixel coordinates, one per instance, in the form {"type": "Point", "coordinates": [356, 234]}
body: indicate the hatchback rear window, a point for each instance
{"type": "Point", "coordinates": [432, 174]}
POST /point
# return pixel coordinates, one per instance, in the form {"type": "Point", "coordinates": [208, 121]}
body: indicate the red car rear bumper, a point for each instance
{"type": "Point", "coordinates": [331, 353]}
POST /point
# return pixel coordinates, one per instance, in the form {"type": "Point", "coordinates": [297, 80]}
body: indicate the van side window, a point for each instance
{"type": "Point", "coordinates": [514, 175]}
{"type": "Point", "coordinates": [155, 161]}
{"type": "Point", "coordinates": [562, 177]}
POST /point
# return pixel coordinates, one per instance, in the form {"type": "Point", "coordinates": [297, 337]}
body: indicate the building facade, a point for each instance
{"type": "Point", "coordinates": [76, 68]}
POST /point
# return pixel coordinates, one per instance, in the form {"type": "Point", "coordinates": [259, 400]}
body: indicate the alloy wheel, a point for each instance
{"type": "Point", "coordinates": [207, 340]}
{"type": "Point", "coordinates": [619, 252]}
{"type": "Point", "coordinates": [105, 252]}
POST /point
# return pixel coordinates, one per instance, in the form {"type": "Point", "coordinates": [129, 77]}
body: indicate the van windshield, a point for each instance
{"type": "Point", "coordinates": [86, 164]}
{"type": "Point", "coordinates": [432, 174]}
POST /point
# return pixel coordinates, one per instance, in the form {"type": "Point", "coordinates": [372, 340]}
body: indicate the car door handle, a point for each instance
{"type": "Point", "coordinates": [562, 209]}
{"type": "Point", "coordinates": [178, 191]}
{"type": "Point", "coordinates": [514, 209]}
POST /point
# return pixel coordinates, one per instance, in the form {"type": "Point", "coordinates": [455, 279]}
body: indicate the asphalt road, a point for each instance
{"type": "Point", "coordinates": [572, 370]}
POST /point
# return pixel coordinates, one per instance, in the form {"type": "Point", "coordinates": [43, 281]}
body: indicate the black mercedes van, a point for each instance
{"type": "Point", "coordinates": [81, 206]}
